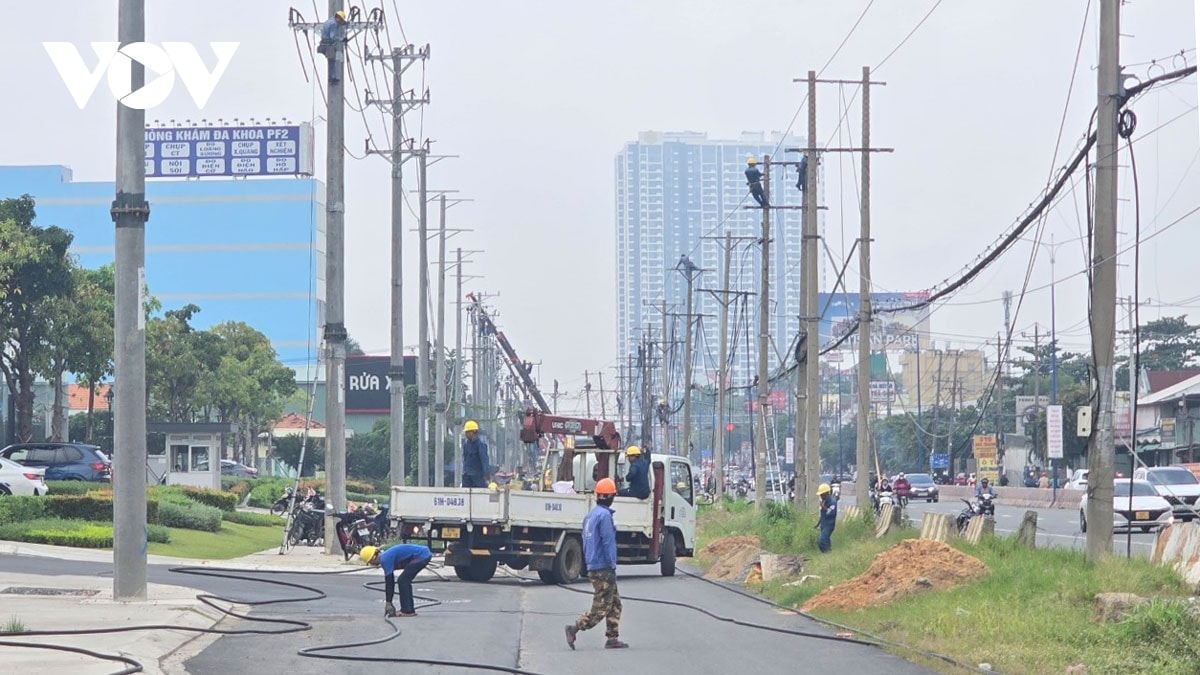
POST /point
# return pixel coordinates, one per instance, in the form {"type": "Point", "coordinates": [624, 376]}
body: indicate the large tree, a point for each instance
{"type": "Point", "coordinates": [91, 355]}
{"type": "Point", "coordinates": [249, 385]}
{"type": "Point", "coordinates": [178, 359]}
{"type": "Point", "coordinates": [36, 270]}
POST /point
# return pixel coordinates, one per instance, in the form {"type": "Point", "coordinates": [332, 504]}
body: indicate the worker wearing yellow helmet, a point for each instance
{"type": "Point", "coordinates": [637, 477]}
{"type": "Point", "coordinates": [754, 180]}
{"type": "Point", "coordinates": [827, 519]}
{"type": "Point", "coordinates": [412, 558]}
{"type": "Point", "coordinates": [333, 36]}
{"type": "Point", "coordinates": [477, 472]}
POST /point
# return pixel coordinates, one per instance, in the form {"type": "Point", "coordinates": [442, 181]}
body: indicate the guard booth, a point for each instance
{"type": "Point", "coordinates": [191, 453]}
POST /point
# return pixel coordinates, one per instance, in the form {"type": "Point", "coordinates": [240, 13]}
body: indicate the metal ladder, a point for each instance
{"type": "Point", "coordinates": [775, 490]}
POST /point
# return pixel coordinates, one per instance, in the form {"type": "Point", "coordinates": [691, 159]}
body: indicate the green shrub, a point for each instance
{"type": "Point", "coordinates": [94, 507]}
{"type": "Point", "coordinates": [360, 498]}
{"type": "Point", "coordinates": [19, 509]}
{"type": "Point", "coordinates": [157, 534]}
{"type": "Point", "coordinates": [250, 518]}
{"type": "Point", "coordinates": [225, 501]}
{"type": "Point", "coordinates": [264, 493]}
{"type": "Point", "coordinates": [191, 517]}
{"type": "Point", "coordinates": [238, 486]}
{"type": "Point", "coordinates": [74, 487]}
{"type": "Point", "coordinates": [59, 533]}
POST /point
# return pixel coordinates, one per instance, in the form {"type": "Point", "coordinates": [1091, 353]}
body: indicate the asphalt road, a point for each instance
{"type": "Point", "coordinates": [514, 623]}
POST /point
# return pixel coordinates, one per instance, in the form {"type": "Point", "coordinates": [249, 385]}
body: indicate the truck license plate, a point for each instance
{"type": "Point", "coordinates": [451, 533]}
{"type": "Point", "coordinates": [1142, 515]}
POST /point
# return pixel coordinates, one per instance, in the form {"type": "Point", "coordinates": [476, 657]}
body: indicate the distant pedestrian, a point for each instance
{"type": "Point", "coordinates": [600, 556]}
{"type": "Point", "coordinates": [827, 520]}
{"type": "Point", "coordinates": [1044, 481]}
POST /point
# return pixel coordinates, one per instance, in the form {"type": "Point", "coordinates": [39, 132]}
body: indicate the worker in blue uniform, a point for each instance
{"type": "Point", "coordinates": [412, 558]}
{"type": "Point", "coordinates": [754, 180]}
{"type": "Point", "coordinates": [637, 477]}
{"type": "Point", "coordinates": [332, 38]}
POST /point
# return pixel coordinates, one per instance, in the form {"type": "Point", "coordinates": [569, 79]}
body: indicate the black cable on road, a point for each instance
{"type": "Point", "coordinates": [310, 593]}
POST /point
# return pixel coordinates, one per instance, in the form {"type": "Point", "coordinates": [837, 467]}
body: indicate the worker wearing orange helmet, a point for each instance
{"type": "Point", "coordinates": [600, 556]}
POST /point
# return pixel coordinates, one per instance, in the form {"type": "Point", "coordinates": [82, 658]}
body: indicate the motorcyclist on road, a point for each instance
{"type": "Point", "coordinates": [902, 488]}
{"type": "Point", "coordinates": [984, 488]}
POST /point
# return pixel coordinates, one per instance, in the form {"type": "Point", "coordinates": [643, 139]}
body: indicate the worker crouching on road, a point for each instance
{"type": "Point", "coordinates": [412, 558]}
{"type": "Point", "coordinates": [637, 477]}
{"type": "Point", "coordinates": [476, 470]}
{"type": "Point", "coordinates": [600, 555]}
{"type": "Point", "coordinates": [827, 519]}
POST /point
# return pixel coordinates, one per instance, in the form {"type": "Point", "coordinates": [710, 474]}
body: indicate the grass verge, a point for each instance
{"type": "Point", "coordinates": [1032, 614]}
{"type": "Point", "coordinates": [231, 541]}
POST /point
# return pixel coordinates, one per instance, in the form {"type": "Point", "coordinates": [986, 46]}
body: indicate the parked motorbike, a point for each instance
{"type": "Point", "coordinates": [280, 507]}
{"type": "Point", "coordinates": [308, 521]}
{"type": "Point", "coordinates": [983, 505]}
{"type": "Point", "coordinates": [353, 532]}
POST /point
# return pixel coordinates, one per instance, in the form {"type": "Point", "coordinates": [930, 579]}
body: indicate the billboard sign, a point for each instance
{"type": "Point", "coordinates": [986, 465]}
{"type": "Point", "coordinates": [890, 331]}
{"type": "Point", "coordinates": [1054, 431]}
{"type": "Point", "coordinates": [1027, 412]}
{"type": "Point", "coordinates": [229, 151]}
{"type": "Point", "coordinates": [939, 460]}
{"type": "Point", "coordinates": [883, 391]}
{"type": "Point", "coordinates": [367, 390]}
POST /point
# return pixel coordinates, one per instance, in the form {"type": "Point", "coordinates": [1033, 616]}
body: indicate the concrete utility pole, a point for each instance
{"type": "Point", "coordinates": [812, 365]}
{"type": "Point", "coordinates": [1101, 449]}
{"type": "Point", "coordinates": [439, 406]}
{"type": "Point", "coordinates": [603, 408]}
{"type": "Point", "coordinates": [130, 211]}
{"type": "Point", "coordinates": [587, 392]}
{"type": "Point", "coordinates": [862, 453]}
{"type": "Point", "coordinates": [460, 408]}
{"type": "Point", "coordinates": [667, 344]}
{"type": "Point", "coordinates": [689, 272]}
{"type": "Point", "coordinates": [423, 374]}
{"type": "Point", "coordinates": [764, 336]}
{"type": "Point", "coordinates": [399, 104]}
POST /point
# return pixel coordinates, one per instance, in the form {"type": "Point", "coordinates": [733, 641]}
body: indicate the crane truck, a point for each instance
{"type": "Point", "coordinates": [479, 529]}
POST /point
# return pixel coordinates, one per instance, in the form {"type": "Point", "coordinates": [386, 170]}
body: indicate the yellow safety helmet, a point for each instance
{"type": "Point", "coordinates": [633, 450]}
{"type": "Point", "coordinates": [751, 161]}
{"type": "Point", "coordinates": [823, 489]}
{"type": "Point", "coordinates": [471, 425]}
{"type": "Point", "coordinates": [340, 14]}
{"type": "Point", "coordinates": [492, 486]}
{"type": "Point", "coordinates": [367, 553]}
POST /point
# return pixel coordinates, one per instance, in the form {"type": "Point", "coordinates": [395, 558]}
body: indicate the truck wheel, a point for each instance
{"type": "Point", "coordinates": [568, 564]}
{"type": "Point", "coordinates": [548, 576]}
{"type": "Point", "coordinates": [666, 558]}
{"type": "Point", "coordinates": [479, 569]}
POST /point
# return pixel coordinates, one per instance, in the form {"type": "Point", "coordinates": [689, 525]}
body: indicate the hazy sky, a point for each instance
{"type": "Point", "coordinates": [537, 97]}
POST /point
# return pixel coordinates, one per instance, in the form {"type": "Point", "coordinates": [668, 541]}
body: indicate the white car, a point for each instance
{"type": "Point", "coordinates": [1177, 485]}
{"type": "Point", "coordinates": [22, 481]}
{"type": "Point", "coordinates": [1147, 510]}
{"type": "Point", "coordinates": [1078, 480]}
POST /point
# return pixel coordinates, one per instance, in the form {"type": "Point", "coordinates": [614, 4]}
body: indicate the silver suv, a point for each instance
{"type": "Point", "coordinates": [1177, 485]}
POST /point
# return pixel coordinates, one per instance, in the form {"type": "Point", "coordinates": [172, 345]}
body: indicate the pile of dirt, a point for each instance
{"type": "Point", "coordinates": [732, 557]}
{"type": "Point", "coordinates": [912, 566]}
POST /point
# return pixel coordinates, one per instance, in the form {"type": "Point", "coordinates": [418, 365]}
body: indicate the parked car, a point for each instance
{"type": "Point", "coordinates": [923, 487]}
{"type": "Point", "coordinates": [63, 461]}
{"type": "Point", "coordinates": [1147, 510]}
{"type": "Point", "coordinates": [1177, 485]}
{"type": "Point", "coordinates": [232, 468]}
{"type": "Point", "coordinates": [1078, 480]}
{"type": "Point", "coordinates": [22, 481]}
{"type": "Point", "coordinates": [961, 479]}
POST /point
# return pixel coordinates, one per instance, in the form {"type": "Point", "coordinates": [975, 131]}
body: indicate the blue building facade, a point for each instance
{"type": "Point", "coordinates": [247, 250]}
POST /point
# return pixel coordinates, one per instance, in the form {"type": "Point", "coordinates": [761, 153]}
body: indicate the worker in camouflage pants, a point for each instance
{"type": "Point", "coordinates": [600, 555]}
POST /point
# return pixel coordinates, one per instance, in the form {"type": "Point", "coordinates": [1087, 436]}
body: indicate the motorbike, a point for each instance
{"type": "Point", "coordinates": [354, 532]}
{"type": "Point", "coordinates": [743, 488]}
{"type": "Point", "coordinates": [308, 522]}
{"type": "Point", "coordinates": [983, 505]}
{"type": "Point", "coordinates": [280, 507]}
{"type": "Point", "coordinates": [883, 498]}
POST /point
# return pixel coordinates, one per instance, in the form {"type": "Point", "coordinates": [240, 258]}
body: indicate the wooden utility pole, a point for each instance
{"type": "Point", "coordinates": [1101, 448]}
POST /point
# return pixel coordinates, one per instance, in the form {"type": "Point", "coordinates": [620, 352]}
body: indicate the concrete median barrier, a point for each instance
{"type": "Point", "coordinates": [1178, 545]}
{"type": "Point", "coordinates": [978, 528]}
{"type": "Point", "coordinates": [938, 527]}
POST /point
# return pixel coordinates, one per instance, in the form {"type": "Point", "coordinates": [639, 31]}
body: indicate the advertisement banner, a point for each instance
{"type": "Point", "coordinates": [790, 450]}
{"type": "Point", "coordinates": [986, 466]}
{"type": "Point", "coordinates": [883, 391]}
{"type": "Point", "coordinates": [366, 383]}
{"type": "Point", "coordinates": [1054, 431]}
{"type": "Point", "coordinates": [890, 330]}
{"type": "Point", "coordinates": [229, 151]}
